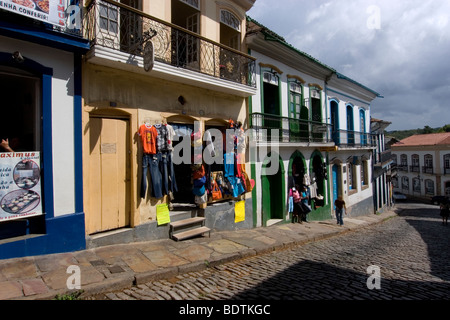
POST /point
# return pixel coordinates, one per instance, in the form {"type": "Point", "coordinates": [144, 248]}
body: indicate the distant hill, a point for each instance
{"type": "Point", "coordinates": [402, 134]}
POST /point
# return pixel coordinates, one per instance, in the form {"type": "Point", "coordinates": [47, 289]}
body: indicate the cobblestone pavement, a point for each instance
{"type": "Point", "coordinates": [411, 251]}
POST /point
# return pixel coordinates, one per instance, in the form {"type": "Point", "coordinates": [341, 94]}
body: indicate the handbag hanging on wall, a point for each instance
{"type": "Point", "coordinates": [216, 193]}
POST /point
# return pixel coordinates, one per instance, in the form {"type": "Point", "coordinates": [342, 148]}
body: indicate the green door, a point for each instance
{"type": "Point", "coordinates": [273, 192]}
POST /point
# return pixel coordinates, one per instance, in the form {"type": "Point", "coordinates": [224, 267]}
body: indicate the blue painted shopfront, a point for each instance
{"type": "Point", "coordinates": [51, 232]}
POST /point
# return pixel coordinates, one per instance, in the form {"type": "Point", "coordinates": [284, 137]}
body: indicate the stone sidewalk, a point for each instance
{"type": "Point", "coordinates": [121, 266]}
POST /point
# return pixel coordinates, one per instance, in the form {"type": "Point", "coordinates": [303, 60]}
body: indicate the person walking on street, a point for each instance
{"type": "Point", "coordinates": [340, 209]}
{"type": "Point", "coordinates": [445, 211]}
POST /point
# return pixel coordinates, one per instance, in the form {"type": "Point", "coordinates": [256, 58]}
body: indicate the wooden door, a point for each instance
{"type": "Point", "coordinates": [109, 175]}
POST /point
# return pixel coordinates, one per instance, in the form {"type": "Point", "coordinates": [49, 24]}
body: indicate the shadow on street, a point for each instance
{"type": "Point", "coordinates": [319, 280]}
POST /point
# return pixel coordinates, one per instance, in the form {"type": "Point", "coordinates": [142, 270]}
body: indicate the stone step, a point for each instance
{"type": "Point", "coordinates": [190, 233]}
{"type": "Point", "coordinates": [187, 222]}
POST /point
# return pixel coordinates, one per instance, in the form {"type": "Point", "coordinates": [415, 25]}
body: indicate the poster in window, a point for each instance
{"type": "Point", "coordinates": [20, 185]}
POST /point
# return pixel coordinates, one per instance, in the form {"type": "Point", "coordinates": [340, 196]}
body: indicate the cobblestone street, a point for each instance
{"type": "Point", "coordinates": [411, 251]}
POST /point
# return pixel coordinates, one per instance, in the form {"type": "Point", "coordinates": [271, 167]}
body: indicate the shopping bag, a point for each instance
{"type": "Point", "coordinates": [216, 193]}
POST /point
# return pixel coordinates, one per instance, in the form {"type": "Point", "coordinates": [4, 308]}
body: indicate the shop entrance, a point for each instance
{"type": "Point", "coordinates": [21, 115]}
{"type": "Point", "coordinates": [183, 172]}
{"type": "Point", "coordinates": [20, 131]}
{"type": "Point", "coordinates": [109, 179]}
{"type": "Point", "coordinates": [273, 192]}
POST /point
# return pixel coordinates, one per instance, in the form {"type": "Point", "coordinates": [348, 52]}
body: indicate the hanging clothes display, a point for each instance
{"type": "Point", "coordinates": [157, 158]}
{"type": "Point", "coordinates": [171, 172]}
{"type": "Point", "coordinates": [150, 160]}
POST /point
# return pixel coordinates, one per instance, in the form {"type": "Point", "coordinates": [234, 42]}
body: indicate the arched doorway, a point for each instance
{"type": "Point", "coordinates": [183, 152]}
{"type": "Point", "coordinates": [273, 190]}
{"type": "Point", "coordinates": [318, 178]}
{"type": "Point", "coordinates": [297, 169]}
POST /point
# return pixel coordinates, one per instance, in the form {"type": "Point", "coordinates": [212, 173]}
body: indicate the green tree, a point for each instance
{"type": "Point", "coordinates": [427, 129]}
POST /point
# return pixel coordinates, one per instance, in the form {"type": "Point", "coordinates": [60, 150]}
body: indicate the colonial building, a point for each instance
{"type": "Point", "coordinates": [41, 190]}
{"type": "Point", "coordinates": [306, 119]}
{"type": "Point", "coordinates": [181, 63]}
{"type": "Point", "coordinates": [351, 163]}
{"type": "Point", "coordinates": [423, 165]}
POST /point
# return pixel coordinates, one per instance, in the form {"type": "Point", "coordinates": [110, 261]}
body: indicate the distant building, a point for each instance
{"type": "Point", "coordinates": [423, 164]}
{"type": "Point", "coordinates": [382, 160]}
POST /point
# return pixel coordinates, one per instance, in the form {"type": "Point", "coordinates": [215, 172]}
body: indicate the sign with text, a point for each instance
{"type": "Point", "coordinates": [20, 185]}
{"type": "Point", "coordinates": [50, 11]}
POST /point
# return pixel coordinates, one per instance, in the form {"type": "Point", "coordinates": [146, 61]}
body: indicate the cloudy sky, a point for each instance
{"type": "Point", "coordinates": [398, 48]}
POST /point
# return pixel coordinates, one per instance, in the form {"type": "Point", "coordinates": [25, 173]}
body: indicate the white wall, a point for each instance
{"type": "Point", "coordinates": [62, 116]}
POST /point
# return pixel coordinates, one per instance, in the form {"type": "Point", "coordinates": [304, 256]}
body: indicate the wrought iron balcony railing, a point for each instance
{"type": "Point", "coordinates": [288, 129]}
{"type": "Point", "coordinates": [426, 169]}
{"type": "Point", "coordinates": [414, 168]}
{"type": "Point", "coordinates": [345, 138]}
{"type": "Point", "coordinates": [117, 26]}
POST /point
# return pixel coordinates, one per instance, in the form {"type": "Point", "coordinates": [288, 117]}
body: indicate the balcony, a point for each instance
{"type": "Point", "coordinates": [414, 168]}
{"type": "Point", "coordinates": [402, 167]}
{"type": "Point", "coordinates": [289, 130]}
{"type": "Point", "coordinates": [118, 32]}
{"type": "Point", "coordinates": [354, 139]}
{"type": "Point", "coordinates": [427, 170]}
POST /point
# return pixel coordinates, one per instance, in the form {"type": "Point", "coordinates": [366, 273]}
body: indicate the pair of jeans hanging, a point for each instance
{"type": "Point", "coordinates": [151, 163]}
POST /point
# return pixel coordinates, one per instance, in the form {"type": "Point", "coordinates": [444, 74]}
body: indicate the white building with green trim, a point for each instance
{"type": "Point", "coordinates": [295, 138]}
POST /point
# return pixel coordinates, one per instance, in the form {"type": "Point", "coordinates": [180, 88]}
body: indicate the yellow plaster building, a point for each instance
{"type": "Point", "coordinates": [180, 62]}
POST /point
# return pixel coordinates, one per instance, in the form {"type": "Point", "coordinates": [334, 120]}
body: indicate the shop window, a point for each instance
{"type": "Point", "coordinates": [183, 170]}
{"type": "Point", "coordinates": [21, 129]}
{"type": "Point", "coordinates": [20, 110]}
